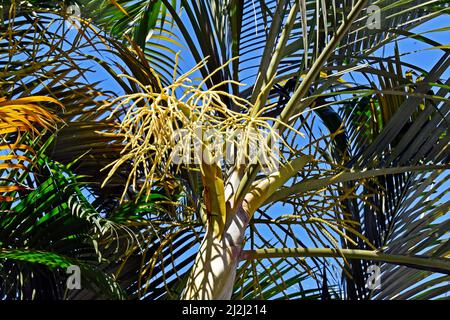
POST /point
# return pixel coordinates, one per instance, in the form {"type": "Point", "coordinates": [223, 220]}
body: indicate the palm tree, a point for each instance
{"type": "Point", "coordinates": [361, 176]}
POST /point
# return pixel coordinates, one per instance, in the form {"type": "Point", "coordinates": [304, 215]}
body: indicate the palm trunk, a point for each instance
{"type": "Point", "coordinates": [213, 274]}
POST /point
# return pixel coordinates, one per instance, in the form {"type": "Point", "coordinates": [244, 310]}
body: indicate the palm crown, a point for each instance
{"type": "Point", "coordinates": [358, 182]}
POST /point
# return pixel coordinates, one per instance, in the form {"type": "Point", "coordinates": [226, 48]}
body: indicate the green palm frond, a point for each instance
{"type": "Point", "coordinates": [44, 232]}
